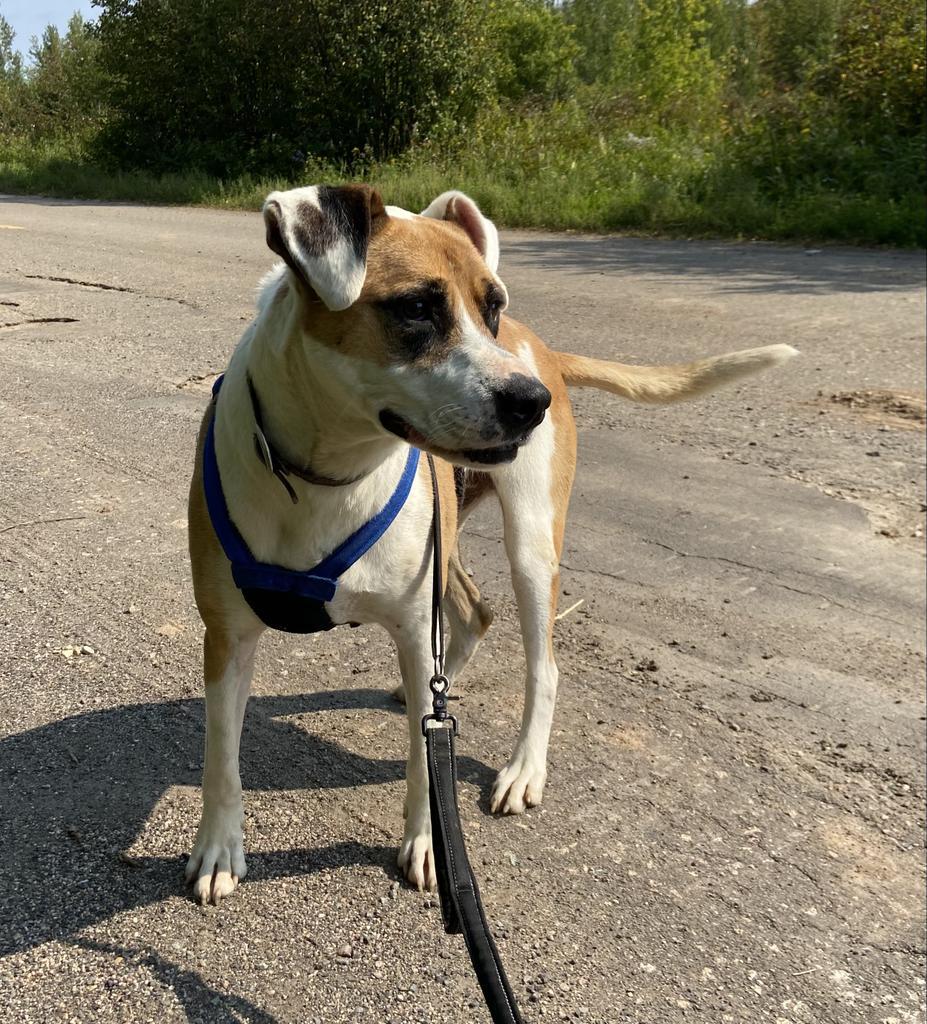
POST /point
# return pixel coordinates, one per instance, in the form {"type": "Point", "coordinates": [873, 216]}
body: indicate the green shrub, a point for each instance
{"type": "Point", "coordinates": [235, 85]}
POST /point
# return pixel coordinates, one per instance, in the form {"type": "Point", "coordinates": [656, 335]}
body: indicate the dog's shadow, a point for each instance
{"type": "Point", "coordinates": [76, 793]}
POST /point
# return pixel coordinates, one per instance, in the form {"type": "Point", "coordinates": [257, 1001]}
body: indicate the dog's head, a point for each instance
{"type": "Point", "coordinates": [402, 312]}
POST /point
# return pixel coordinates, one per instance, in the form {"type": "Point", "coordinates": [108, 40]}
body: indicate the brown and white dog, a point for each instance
{"type": "Point", "coordinates": [382, 329]}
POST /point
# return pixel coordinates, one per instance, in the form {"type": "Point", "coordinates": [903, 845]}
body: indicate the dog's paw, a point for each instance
{"type": "Point", "coordinates": [416, 860]}
{"type": "Point", "coordinates": [217, 862]}
{"type": "Point", "coordinates": [518, 786]}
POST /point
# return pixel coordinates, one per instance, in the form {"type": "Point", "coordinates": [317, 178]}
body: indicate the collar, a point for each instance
{"type": "Point", "coordinates": [270, 456]}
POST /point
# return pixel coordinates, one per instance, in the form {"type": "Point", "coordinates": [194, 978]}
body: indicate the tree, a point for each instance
{"type": "Point", "coordinates": [663, 59]}
{"type": "Point", "coordinates": [792, 35]}
{"type": "Point", "coordinates": [11, 79]}
{"type": "Point", "coordinates": [61, 92]}
{"type": "Point", "coordinates": [229, 85]}
{"type": "Point", "coordinates": [876, 67]}
{"type": "Point", "coordinates": [598, 27]}
{"type": "Point", "coordinates": [536, 51]}
{"type": "Point", "coordinates": [11, 64]}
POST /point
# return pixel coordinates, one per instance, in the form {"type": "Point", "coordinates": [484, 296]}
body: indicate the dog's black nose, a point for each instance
{"type": "Point", "coordinates": [521, 403]}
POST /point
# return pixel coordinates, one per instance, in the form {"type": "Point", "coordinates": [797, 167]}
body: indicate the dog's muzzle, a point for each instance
{"type": "Point", "coordinates": [518, 407]}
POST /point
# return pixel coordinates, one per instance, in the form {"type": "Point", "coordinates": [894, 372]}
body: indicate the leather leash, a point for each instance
{"type": "Point", "coordinates": [461, 908]}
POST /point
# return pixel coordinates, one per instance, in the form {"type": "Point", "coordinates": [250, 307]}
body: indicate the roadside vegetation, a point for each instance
{"type": "Point", "coordinates": [771, 119]}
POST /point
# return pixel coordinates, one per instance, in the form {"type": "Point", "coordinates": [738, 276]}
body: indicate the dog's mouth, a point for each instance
{"type": "Point", "coordinates": [494, 455]}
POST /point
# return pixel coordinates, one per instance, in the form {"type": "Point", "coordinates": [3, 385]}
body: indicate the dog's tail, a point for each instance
{"type": "Point", "coordinates": [669, 383]}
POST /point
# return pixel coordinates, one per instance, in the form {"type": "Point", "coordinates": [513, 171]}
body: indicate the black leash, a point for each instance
{"type": "Point", "coordinates": [461, 908]}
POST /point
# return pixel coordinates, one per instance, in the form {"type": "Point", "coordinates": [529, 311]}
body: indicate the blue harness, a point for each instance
{"type": "Point", "coordinates": [290, 599]}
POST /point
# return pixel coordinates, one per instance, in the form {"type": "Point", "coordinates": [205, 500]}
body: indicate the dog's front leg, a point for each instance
{"type": "Point", "coordinates": [416, 857]}
{"type": "Point", "coordinates": [534, 559]}
{"type": "Point", "coordinates": [218, 859]}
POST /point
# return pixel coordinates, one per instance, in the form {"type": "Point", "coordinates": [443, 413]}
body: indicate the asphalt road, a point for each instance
{"type": "Point", "coordinates": [733, 825]}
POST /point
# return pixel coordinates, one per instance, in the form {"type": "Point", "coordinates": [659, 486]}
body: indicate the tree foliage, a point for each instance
{"type": "Point", "coordinates": [875, 69]}
{"type": "Point", "coordinates": [777, 98]}
{"type": "Point", "coordinates": [229, 85]}
{"type": "Point", "coordinates": [60, 90]}
{"type": "Point", "coordinates": [533, 54]}
{"type": "Point", "coordinates": [11, 64]}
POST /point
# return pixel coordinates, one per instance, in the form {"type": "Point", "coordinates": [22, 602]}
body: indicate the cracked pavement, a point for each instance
{"type": "Point", "coordinates": [732, 831]}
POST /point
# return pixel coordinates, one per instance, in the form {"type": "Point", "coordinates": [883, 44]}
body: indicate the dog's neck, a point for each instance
{"type": "Point", "coordinates": [309, 416]}
{"type": "Point", "coordinates": [314, 425]}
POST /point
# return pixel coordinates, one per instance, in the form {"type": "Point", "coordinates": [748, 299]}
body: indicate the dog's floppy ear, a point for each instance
{"type": "Point", "coordinates": [460, 209]}
{"type": "Point", "coordinates": [322, 233]}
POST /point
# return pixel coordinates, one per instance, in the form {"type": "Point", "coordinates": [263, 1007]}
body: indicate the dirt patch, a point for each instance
{"type": "Point", "coordinates": [202, 382]}
{"type": "Point", "coordinates": [904, 410]}
{"type": "Point", "coordinates": [870, 864]}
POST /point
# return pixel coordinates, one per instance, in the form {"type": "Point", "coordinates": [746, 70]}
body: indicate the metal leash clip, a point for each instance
{"type": "Point", "coordinates": [439, 685]}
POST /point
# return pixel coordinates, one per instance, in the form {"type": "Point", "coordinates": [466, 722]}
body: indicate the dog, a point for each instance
{"type": "Point", "coordinates": [381, 333]}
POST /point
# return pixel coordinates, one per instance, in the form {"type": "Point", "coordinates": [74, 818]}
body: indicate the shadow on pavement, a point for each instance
{"type": "Point", "coordinates": [76, 793]}
{"type": "Point", "coordinates": [10, 198]}
{"type": "Point", "coordinates": [200, 1001]}
{"type": "Point", "coordinates": [728, 266]}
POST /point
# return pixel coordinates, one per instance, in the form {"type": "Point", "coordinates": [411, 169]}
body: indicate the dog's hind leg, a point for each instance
{"type": "Point", "coordinates": [217, 862]}
{"type": "Point", "coordinates": [469, 617]}
{"type": "Point", "coordinates": [534, 492]}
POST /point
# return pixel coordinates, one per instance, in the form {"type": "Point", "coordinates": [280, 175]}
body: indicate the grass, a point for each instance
{"type": "Point", "coordinates": [555, 176]}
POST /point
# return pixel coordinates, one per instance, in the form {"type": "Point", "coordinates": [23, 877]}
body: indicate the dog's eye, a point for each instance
{"type": "Point", "coordinates": [492, 311]}
{"type": "Point", "coordinates": [417, 319]}
{"type": "Point", "coordinates": [414, 309]}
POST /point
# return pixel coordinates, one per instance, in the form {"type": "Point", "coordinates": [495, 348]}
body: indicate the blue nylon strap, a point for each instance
{"type": "Point", "coordinates": [319, 582]}
{"type": "Point", "coordinates": [363, 539]}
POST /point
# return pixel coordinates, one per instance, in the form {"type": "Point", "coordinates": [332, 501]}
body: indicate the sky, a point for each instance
{"type": "Point", "coordinates": [29, 17]}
